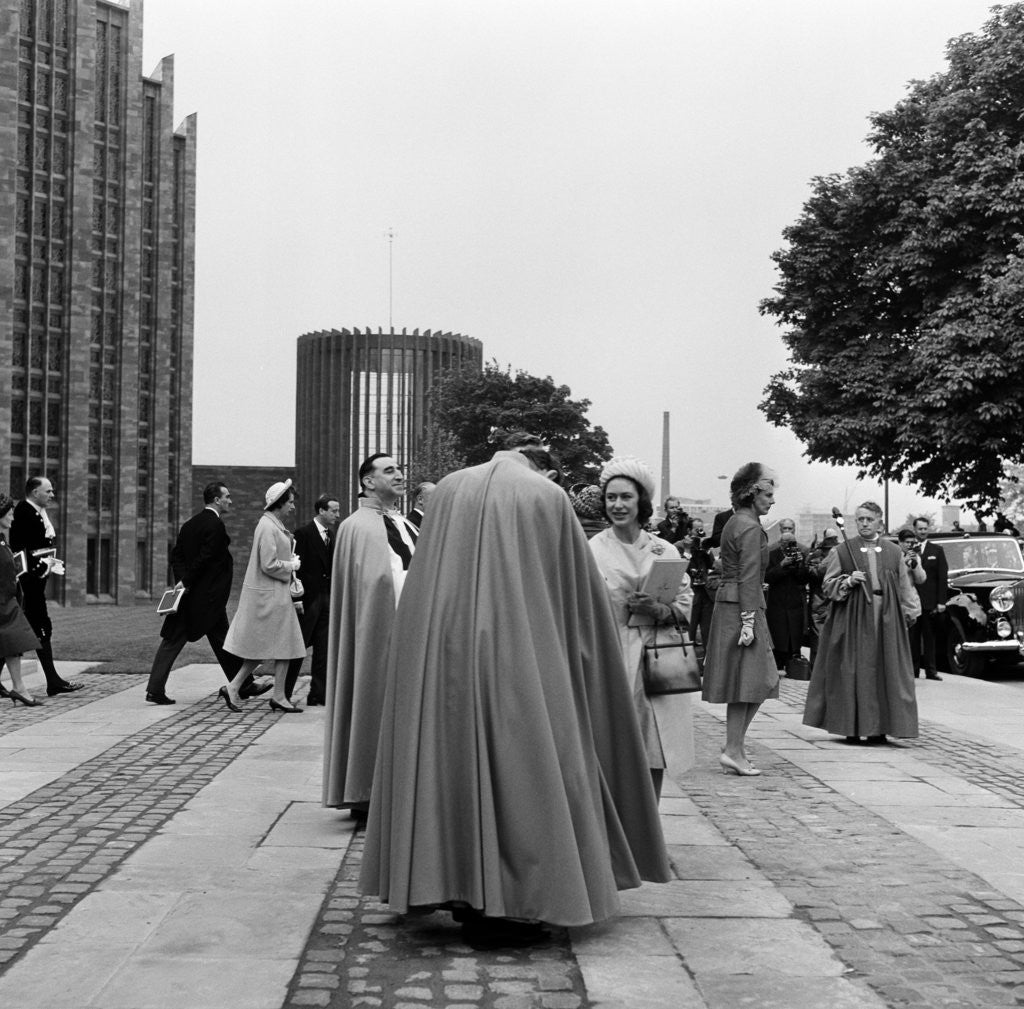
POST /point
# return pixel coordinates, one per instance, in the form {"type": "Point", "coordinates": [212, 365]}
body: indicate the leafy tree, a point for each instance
{"type": "Point", "coordinates": [479, 408]}
{"type": "Point", "coordinates": [1011, 495]}
{"type": "Point", "coordinates": [902, 285]}
{"type": "Point", "coordinates": [438, 456]}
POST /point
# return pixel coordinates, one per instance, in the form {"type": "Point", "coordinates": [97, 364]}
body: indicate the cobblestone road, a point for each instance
{"type": "Point", "coordinates": [917, 928]}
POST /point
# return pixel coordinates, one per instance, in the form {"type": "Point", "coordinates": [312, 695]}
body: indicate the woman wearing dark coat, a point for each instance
{"type": "Point", "coordinates": [739, 669]}
{"type": "Point", "coordinates": [16, 635]}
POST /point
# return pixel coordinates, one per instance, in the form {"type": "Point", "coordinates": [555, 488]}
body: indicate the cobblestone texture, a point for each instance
{"type": "Point", "coordinates": [922, 931]}
{"type": "Point", "coordinates": [362, 954]}
{"type": "Point", "coordinates": [60, 842]}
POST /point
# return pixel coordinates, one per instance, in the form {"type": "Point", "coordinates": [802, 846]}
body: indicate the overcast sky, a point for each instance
{"type": "Point", "coordinates": [592, 189]}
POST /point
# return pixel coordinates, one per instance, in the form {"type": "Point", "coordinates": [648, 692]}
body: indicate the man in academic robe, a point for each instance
{"type": "Point", "coordinates": [862, 684]}
{"type": "Point", "coordinates": [511, 781]}
{"type": "Point", "coordinates": [374, 548]}
{"type": "Point", "coordinates": [203, 567]}
{"type": "Point", "coordinates": [33, 532]}
{"type": "Point", "coordinates": [314, 546]}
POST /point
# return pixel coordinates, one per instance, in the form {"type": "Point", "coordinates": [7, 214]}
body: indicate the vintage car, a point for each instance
{"type": "Point", "coordinates": [985, 605]}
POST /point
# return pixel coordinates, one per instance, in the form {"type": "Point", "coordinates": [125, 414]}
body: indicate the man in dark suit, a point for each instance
{"type": "Point", "coordinates": [786, 602]}
{"type": "Point", "coordinates": [314, 544]}
{"type": "Point", "coordinates": [933, 592]}
{"type": "Point", "coordinates": [420, 499]}
{"type": "Point", "coordinates": [33, 532]}
{"type": "Point", "coordinates": [202, 565]}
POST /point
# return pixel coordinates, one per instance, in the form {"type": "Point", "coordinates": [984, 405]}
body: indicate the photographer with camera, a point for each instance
{"type": "Point", "coordinates": [701, 563]}
{"type": "Point", "coordinates": [672, 528]}
{"type": "Point", "coordinates": [911, 548]}
{"type": "Point", "coordinates": [932, 591]}
{"type": "Point", "coordinates": [787, 578]}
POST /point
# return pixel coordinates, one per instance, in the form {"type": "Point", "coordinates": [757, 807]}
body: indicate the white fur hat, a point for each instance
{"type": "Point", "coordinates": [627, 465]}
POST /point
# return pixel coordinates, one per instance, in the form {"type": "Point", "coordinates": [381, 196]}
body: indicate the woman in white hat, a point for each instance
{"type": "Point", "coordinates": [266, 625]}
{"type": "Point", "coordinates": [625, 553]}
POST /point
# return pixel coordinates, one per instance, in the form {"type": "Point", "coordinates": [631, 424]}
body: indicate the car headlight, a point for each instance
{"type": "Point", "coordinates": [1001, 599]}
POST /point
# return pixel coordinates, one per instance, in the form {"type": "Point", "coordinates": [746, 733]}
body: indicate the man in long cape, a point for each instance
{"type": "Point", "coordinates": [511, 778]}
{"type": "Point", "coordinates": [371, 556]}
{"type": "Point", "coordinates": [862, 683]}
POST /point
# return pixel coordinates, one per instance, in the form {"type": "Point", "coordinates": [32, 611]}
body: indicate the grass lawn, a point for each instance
{"type": "Point", "coordinates": [120, 639]}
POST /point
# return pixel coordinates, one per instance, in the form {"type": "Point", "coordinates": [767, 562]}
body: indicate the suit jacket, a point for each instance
{"type": "Point", "coordinates": [28, 533]}
{"type": "Point", "coordinates": [202, 562]}
{"type": "Point", "coordinates": [315, 572]}
{"type": "Point", "coordinates": [935, 588]}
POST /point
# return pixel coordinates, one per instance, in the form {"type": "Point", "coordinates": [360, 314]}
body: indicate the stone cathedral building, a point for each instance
{"type": "Point", "coordinates": [97, 226]}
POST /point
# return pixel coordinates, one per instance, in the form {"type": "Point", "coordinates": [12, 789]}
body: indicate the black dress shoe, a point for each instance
{"type": "Point", "coordinates": [159, 698]}
{"type": "Point", "coordinates": [64, 687]}
{"type": "Point", "coordinates": [254, 689]}
{"type": "Point", "coordinates": [932, 676]}
{"type": "Point", "coordinates": [502, 933]}
{"type": "Point", "coordinates": [314, 702]}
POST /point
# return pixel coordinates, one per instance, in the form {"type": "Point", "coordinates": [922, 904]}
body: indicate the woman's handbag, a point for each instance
{"type": "Point", "coordinates": [295, 588]}
{"type": "Point", "coordinates": [670, 663]}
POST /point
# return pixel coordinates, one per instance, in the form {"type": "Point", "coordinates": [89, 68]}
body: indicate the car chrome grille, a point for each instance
{"type": "Point", "coordinates": [1016, 615]}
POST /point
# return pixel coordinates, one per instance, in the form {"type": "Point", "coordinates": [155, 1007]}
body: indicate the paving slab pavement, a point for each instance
{"type": "Point", "coordinates": [177, 856]}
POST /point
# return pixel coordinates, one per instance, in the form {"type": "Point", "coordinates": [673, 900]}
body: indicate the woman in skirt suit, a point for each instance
{"type": "Point", "coordinates": [16, 636]}
{"type": "Point", "coordinates": [739, 669]}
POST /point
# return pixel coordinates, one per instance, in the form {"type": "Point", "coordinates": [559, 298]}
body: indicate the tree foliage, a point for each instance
{"type": "Point", "coordinates": [902, 285]}
{"type": "Point", "coordinates": [438, 456]}
{"type": "Point", "coordinates": [478, 408]}
{"type": "Point", "coordinates": [1011, 495]}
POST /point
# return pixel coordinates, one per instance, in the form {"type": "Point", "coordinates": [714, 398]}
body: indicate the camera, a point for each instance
{"type": "Point", "coordinates": [791, 549]}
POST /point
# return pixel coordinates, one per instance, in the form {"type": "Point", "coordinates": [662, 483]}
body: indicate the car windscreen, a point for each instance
{"type": "Point", "coordinates": [1002, 554]}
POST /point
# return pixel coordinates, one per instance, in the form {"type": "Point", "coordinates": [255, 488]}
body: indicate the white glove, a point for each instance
{"type": "Point", "coordinates": [746, 630]}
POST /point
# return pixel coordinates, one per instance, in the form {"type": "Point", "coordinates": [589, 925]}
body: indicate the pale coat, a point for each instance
{"type": "Point", "coordinates": [666, 722]}
{"type": "Point", "coordinates": [266, 625]}
{"type": "Point", "coordinates": [362, 614]}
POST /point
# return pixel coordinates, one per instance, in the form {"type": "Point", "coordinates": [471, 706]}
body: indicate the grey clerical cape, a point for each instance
{"type": "Point", "coordinates": [362, 615]}
{"type": "Point", "coordinates": [511, 773]}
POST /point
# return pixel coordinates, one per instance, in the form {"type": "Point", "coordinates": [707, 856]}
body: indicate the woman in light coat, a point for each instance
{"type": "Point", "coordinates": [625, 553]}
{"type": "Point", "coordinates": [266, 625]}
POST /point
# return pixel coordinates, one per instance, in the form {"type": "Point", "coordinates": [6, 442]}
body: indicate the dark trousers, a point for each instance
{"type": "Point", "coordinates": [170, 648]}
{"type": "Point", "coordinates": [923, 634]}
{"type": "Point", "coordinates": [315, 623]}
{"type": "Point", "coordinates": [36, 613]}
{"type": "Point", "coordinates": [700, 614]}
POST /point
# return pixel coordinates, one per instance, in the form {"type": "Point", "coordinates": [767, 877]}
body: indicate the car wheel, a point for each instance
{"type": "Point", "coordinates": [961, 662]}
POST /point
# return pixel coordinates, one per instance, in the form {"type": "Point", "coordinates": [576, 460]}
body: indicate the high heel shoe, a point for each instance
{"type": "Point", "coordinates": [729, 766]}
{"type": "Point", "coordinates": [226, 698]}
{"type": "Point", "coordinates": [3, 691]}
{"type": "Point", "coordinates": [29, 702]}
{"type": "Point", "coordinates": [277, 706]}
